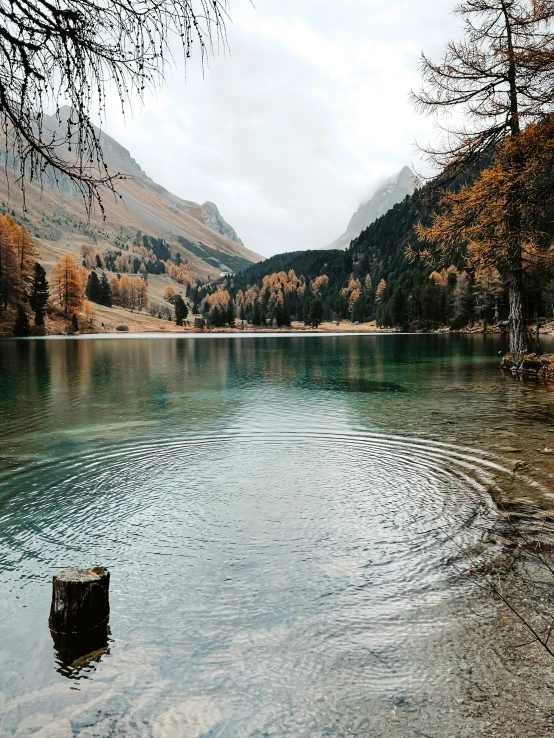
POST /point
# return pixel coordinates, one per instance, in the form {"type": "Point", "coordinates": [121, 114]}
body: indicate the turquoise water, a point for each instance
{"type": "Point", "coordinates": [268, 509]}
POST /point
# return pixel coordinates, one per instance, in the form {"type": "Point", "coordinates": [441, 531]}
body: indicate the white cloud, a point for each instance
{"type": "Point", "coordinates": [290, 131]}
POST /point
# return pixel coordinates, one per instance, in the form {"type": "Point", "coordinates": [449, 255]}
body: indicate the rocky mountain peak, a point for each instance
{"type": "Point", "coordinates": [391, 192]}
{"type": "Point", "coordinates": [212, 218]}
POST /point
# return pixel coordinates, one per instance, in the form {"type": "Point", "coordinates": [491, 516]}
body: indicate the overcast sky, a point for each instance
{"type": "Point", "coordinates": [293, 128]}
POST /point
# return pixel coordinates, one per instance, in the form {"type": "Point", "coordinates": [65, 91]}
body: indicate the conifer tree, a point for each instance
{"type": "Point", "coordinates": [92, 290]}
{"type": "Point", "coordinates": [357, 314]}
{"type": "Point", "coordinates": [22, 326]}
{"type": "Point", "coordinates": [10, 287]}
{"type": "Point", "coordinates": [316, 312]}
{"type": "Point", "coordinates": [501, 77]}
{"type": "Point", "coordinates": [40, 292]}
{"type": "Point", "coordinates": [105, 291]}
{"type": "Point", "coordinates": [66, 284]}
{"type": "Point", "coordinates": [398, 308]}
{"type": "Point", "coordinates": [125, 291]}
{"type": "Point", "coordinates": [230, 314]}
{"type": "Point", "coordinates": [181, 310]}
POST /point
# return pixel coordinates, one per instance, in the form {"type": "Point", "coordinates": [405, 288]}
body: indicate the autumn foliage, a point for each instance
{"type": "Point", "coordinates": [17, 259]}
{"type": "Point", "coordinates": [500, 79]}
{"type": "Point", "coordinates": [67, 285]}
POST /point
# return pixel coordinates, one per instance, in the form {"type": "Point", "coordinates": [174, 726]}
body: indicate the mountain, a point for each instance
{"type": "Point", "coordinates": [212, 218]}
{"type": "Point", "coordinates": [56, 217]}
{"type": "Point", "coordinates": [374, 276]}
{"type": "Point", "coordinates": [389, 194]}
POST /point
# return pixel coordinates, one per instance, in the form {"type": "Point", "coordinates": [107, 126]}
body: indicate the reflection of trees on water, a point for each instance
{"type": "Point", "coordinates": [194, 383]}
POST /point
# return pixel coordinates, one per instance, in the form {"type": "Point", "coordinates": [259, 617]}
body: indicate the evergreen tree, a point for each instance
{"type": "Point", "coordinates": [257, 315]}
{"type": "Point", "coordinates": [306, 307]}
{"type": "Point", "coordinates": [105, 292]}
{"type": "Point", "coordinates": [358, 310]}
{"type": "Point", "coordinates": [92, 290]}
{"type": "Point", "coordinates": [316, 312]}
{"type": "Point", "coordinates": [40, 293]}
{"type": "Point", "coordinates": [22, 326]}
{"type": "Point", "coordinates": [398, 308]}
{"type": "Point", "coordinates": [230, 315]}
{"type": "Point", "coordinates": [285, 315]}
{"type": "Point", "coordinates": [74, 322]}
{"type": "Point", "coordinates": [181, 310]}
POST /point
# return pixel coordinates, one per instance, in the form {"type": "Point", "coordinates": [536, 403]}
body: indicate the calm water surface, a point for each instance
{"type": "Point", "coordinates": [268, 508]}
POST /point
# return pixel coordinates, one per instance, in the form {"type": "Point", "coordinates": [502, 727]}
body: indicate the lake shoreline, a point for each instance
{"type": "Point", "coordinates": [153, 327]}
{"type": "Point", "coordinates": [116, 320]}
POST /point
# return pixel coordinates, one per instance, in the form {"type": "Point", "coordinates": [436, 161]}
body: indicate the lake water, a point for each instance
{"type": "Point", "coordinates": [279, 516]}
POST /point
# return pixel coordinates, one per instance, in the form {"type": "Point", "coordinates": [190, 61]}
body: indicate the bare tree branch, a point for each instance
{"type": "Point", "coordinates": [72, 52]}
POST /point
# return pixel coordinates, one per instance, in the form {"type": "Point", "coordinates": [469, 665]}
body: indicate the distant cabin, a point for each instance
{"type": "Point", "coordinates": [227, 274]}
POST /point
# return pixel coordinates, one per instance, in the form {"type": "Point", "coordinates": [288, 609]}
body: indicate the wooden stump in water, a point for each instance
{"type": "Point", "coordinates": [79, 613]}
{"type": "Point", "coordinates": [80, 600]}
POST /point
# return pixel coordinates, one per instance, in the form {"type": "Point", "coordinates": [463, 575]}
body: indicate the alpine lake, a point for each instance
{"type": "Point", "coordinates": [289, 522]}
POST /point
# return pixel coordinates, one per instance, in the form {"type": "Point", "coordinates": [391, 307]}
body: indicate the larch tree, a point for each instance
{"type": "Point", "coordinates": [89, 255]}
{"type": "Point", "coordinates": [125, 291]}
{"type": "Point", "coordinates": [140, 293]}
{"type": "Point", "coordinates": [170, 294]}
{"type": "Point", "coordinates": [69, 52]}
{"type": "Point", "coordinates": [17, 259]}
{"type": "Point", "coordinates": [26, 252]}
{"type": "Point", "coordinates": [66, 284]}
{"type": "Point", "coordinates": [9, 267]}
{"type": "Point", "coordinates": [381, 287]}
{"type": "Point", "coordinates": [115, 292]}
{"type": "Point", "coordinates": [498, 79]}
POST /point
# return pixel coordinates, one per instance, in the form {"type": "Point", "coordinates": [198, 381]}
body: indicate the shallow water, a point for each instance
{"type": "Point", "coordinates": [278, 514]}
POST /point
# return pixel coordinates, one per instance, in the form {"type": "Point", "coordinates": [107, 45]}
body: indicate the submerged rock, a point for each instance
{"type": "Point", "coordinates": [532, 365]}
{"type": "Point", "coordinates": [56, 729]}
{"type": "Point", "coordinates": [189, 719]}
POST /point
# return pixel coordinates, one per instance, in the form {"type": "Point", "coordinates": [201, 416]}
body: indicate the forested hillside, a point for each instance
{"type": "Point", "coordinates": [374, 279]}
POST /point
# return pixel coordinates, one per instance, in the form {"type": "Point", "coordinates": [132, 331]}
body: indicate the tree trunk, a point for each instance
{"type": "Point", "coordinates": [518, 336]}
{"type": "Point", "coordinates": [79, 615]}
{"type": "Point", "coordinates": [80, 600]}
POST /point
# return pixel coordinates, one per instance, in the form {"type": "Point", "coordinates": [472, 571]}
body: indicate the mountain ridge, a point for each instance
{"type": "Point", "coordinates": [390, 193]}
{"type": "Point", "coordinates": [57, 218]}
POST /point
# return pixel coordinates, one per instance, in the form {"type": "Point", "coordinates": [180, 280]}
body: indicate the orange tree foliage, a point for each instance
{"type": "Point", "coordinates": [279, 295]}
{"type": "Point", "coordinates": [476, 213]}
{"type": "Point", "coordinates": [320, 283]}
{"type": "Point", "coordinates": [17, 259]}
{"type": "Point", "coordinates": [138, 294]}
{"type": "Point", "coordinates": [180, 273]}
{"type": "Point", "coordinates": [381, 287]}
{"type": "Point", "coordinates": [500, 77]}
{"type": "Point", "coordinates": [114, 289]}
{"type": "Point", "coordinates": [89, 255]}
{"type": "Point", "coordinates": [218, 308]}
{"type": "Point", "coordinates": [66, 285]}
{"type": "Point", "coordinates": [125, 291]}
{"type": "Point", "coordinates": [169, 293]}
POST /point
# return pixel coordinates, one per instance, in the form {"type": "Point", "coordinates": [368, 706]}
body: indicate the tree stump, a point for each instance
{"type": "Point", "coordinates": [80, 611]}
{"type": "Point", "coordinates": [80, 600]}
